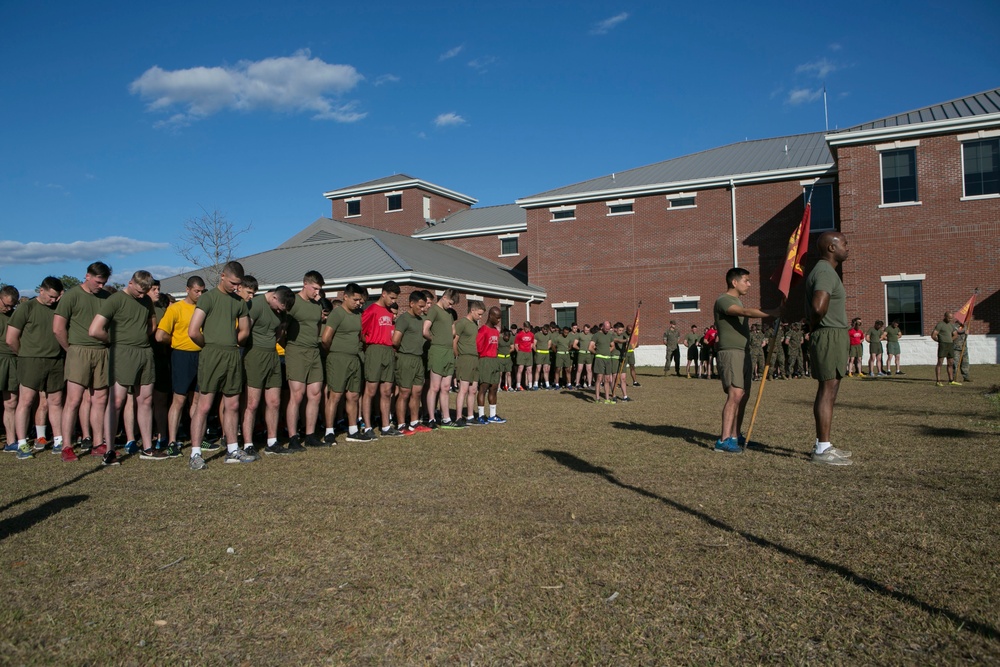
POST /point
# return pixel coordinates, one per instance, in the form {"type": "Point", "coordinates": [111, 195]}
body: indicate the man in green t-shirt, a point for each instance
{"type": "Point", "coordinates": [874, 337]}
{"type": "Point", "coordinates": [826, 308]}
{"type": "Point", "coordinates": [945, 333]}
{"type": "Point", "coordinates": [467, 363]}
{"type": "Point", "coordinates": [9, 297]}
{"type": "Point", "coordinates": [439, 329]}
{"type": "Point", "coordinates": [671, 337]}
{"type": "Point", "coordinates": [408, 339]}
{"type": "Point", "coordinates": [86, 368]}
{"type": "Point", "coordinates": [342, 340]}
{"type": "Point", "coordinates": [263, 365]}
{"type": "Point", "coordinates": [601, 345]}
{"type": "Point", "coordinates": [543, 348]}
{"type": "Point", "coordinates": [691, 341]}
{"type": "Point", "coordinates": [125, 322]}
{"type": "Point", "coordinates": [303, 360]}
{"type": "Point", "coordinates": [39, 361]}
{"type": "Point", "coordinates": [960, 352]}
{"type": "Point", "coordinates": [892, 334]}
{"type": "Point", "coordinates": [733, 356]}
{"type": "Point", "coordinates": [220, 368]}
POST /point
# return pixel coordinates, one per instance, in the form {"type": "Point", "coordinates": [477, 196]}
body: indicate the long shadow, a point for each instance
{"type": "Point", "coordinates": [579, 465]}
{"type": "Point", "coordinates": [702, 439]}
{"type": "Point", "coordinates": [52, 489]}
{"type": "Point", "coordinates": [25, 520]}
{"type": "Point", "coordinates": [917, 412]}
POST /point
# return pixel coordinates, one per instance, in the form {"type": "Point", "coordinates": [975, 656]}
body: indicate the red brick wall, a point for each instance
{"type": "Point", "coordinates": [487, 247]}
{"type": "Point", "coordinates": [955, 243]}
{"type": "Point", "coordinates": [407, 221]}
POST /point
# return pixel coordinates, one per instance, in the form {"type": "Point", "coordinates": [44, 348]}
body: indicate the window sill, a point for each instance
{"type": "Point", "coordinates": [686, 310]}
{"type": "Point", "coordinates": [513, 254]}
{"type": "Point", "coordinates": [613, 215]}
{"type": "Point", "coordinates": [396, 210]}
{"type": "Point", "coordinates": [348, 217]}
{"type": "Point", "coordinates": [562, 219]}
{"type": "Point", "coordinates": [901, 204]}
{"type": "Point", "coordinates": [978, 197]}
{"type": "Point", "coordinates": [680, 208]}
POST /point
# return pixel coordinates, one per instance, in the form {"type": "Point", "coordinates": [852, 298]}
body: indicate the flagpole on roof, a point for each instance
{"type": "Point", "coordinates": [826, 112]}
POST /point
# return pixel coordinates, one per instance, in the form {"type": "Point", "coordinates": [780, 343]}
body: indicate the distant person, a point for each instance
{"type": "Point", "coordinates": [439, 329]}
{"type": "Point", "coordinates": [960, 352]}
{"type": "Point", "coordinates": [487, 339]}
{"type": "Point", "coordinates": [9, 297]}
{"type": "Point", "coordinates": [945, 334]}
{"type": "Point", "coordinates": [671, 337]}
{"type": "Point", "coordinates": [826, 307]}
{"type": "Point", "coordinates": [874, 337]}
{"type": "Point", "coordinates": [856, 336]}
{"type": "Point", "coordinates": [892, 335]}
{"type": "Point", "coordinates": [524, 345]}
{"type": "Point", "coordinates": [691, 341]}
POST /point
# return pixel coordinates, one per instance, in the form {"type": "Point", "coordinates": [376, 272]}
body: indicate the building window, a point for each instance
{"type": "Point", "coordinates": [565, 316]}
{"type": "Point", "coordinates": [393, 202]}
{"type": "Point", "coordinates": [563, 213]}
{"type": "Point", "coordinates": [981, 167]}
{"type": "Point", "coordinates": [822, 219]}
{"type": "Point", "coordinates": [904, 303]}
{"type": "Point", "coordinates": [353, 208]}
{"type": "Point", "coordinates": [620, 207]}
{"type": "Point", "coordinates": [899, 176]}
{"type": "Point", "coordinates": [685, 304]}
{"type": "Point", "coordinates": [508, 246]}
{"type": "Point", "coordinates": [427, 208]}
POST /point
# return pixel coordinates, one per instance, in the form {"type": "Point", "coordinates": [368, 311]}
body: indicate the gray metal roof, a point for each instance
{"type": "Point", "coordinates": [980, 104]}
{"type": "Point", "coordinates": [397, 182]}
{"type": "Point", "coordinates": [475, 221]}
{"type": "Point", "coordinates": [343, 252]}
{"type": "Point", "coordinates": [746, 159]}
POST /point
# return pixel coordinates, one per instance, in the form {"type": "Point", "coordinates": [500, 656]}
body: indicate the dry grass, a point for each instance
{"type": "Point", "coordinates": [576, 533]}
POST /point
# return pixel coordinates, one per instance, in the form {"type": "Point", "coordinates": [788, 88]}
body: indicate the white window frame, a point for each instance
{"type": "Point", "coordinates": [562, 209]}
{"type": "Point", "coordinates": [393, 194]}
{"type": "Point", "coordinates": [681, 195]}
{"type": "Point", "coordinates": [895, 146]}
{"type": "Point", "coordinates": [473, 297]}
{"type": "Point", "coordinates": [974, 136]}
{"type": "Point", "coordinates": [503, 237]}
{"type": "Point", "coordinates": [348, 202]}
{"type": "Point", "coordinates": [902, 278]}
{"type": "Point", "coordinates": [621, 202]}
{"type": "Point", "coordinates": [681, 299]}
{"type": "Point", "coordinates": [575, 305]}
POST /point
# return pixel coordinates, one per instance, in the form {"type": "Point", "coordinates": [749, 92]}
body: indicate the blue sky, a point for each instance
{"type": "Point", "coordinates": [120, 121]}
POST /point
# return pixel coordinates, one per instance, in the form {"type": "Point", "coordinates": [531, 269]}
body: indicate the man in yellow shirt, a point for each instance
{"type": "Point", "coordinates": [173, 329]}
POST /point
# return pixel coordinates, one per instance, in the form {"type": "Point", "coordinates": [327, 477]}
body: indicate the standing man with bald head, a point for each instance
{"type": "Point", "coordinates": [826, 308]}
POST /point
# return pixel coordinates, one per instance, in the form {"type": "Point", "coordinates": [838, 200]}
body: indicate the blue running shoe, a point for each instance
{"type": "Point", "coordinates": [11, 448]}
{"type": "Point", "coordinates": [496, 419]}
{"type": "Point", "coordinates": [728, 446]}
{"type": "Point", "coordinates": [482, 421]}
{"type": "Point", "coordinates": [131, 447]}
{"type": "Point", "coordinates": [24, 453]}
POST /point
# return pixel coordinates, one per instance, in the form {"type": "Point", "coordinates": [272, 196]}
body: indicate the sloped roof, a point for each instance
{"type": "Point", "coordinates": [973, 112]}
{"type": "Point", "coordinates": [344, 253]}
{"type": "Point", "coordinates": [478, 221]}
{"type": "Point", "coordinates": [397, 182]}
{"type": "Point", "coordinates": [798, 155]}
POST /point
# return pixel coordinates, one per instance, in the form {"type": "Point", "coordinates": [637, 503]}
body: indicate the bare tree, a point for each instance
{"type": "Point", "coordinates": [210, 241]}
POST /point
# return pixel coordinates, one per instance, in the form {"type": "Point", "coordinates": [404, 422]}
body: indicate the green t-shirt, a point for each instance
{"type": "Point", "coordinates": [303, 323]}
{"type": "Point", "coordinates": [892, 334]}
{"type": "Point", "coordinates": [346, 331]}
{"type": "Point", "coordinates": [221, 313]}
{"type": "Point", "coordinates": [128, 318]}
{"type": "Point", "coordinates": [585, 339]}
{"type": "Point", "coordinates": [441, 326]}
{"type": "Point", "coordinates": [4, 348]}
{"type": "Point", "coordinates": [602, 343]}
{"type": "Point", "coordinates": [874, 337]}
{"type": "Point", "coordinates": [734, 331]}
{"type": "Point", "coordinates": [79, 306]}
{"type": "Point", "coordinates": [670, 338]}
{"type": "Point", "coordinates": [412, 328]}
{"type": "Point", "coordinates": [691, 339]}
{"type": "Point", "coordinates": [542, 341]}
{"type": "Point", "coordinates": [824, 278]}
{"type": "Point", "coordinates": [35, 322]}
{"type": "Point", "coordinates": [265, 323]}
{"type": "Point", "coordinates": [503, 346]}
{"type": "Point", "coordinates": [466, 331]}
{"type": "Point", "coordinates": [562, 343]}
{"type": "Point", "coordinates": [944, 331]}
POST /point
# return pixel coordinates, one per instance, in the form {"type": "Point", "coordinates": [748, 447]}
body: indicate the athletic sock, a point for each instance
{"type": "Point", "coordinates": [330, 431]}
{"type": "Point", "coordinates": [195, 451]}
{"type": "Point", "coordinates": [482, 410]}
{"type": "Point", "coordinates": [493, 410]}
{"type": "Point", "coordinates": [57, 441]}
{"type": "Point", "coordinates": [271, 442]}
{"type": "Point", "coordinates": [232, 447]}
{"type": "Point", "coordinates": [822, 446]}
{"type": "Point", "coordinates": [352, 430]}
{"type": "Point", "coordinates": [385, 429]}
{"type": "Point", "coordinates": [415, 423]}
{"type": "Point", "coordinates": [40, 431]}
{"type": "Point", "coordinates": [22, 443]}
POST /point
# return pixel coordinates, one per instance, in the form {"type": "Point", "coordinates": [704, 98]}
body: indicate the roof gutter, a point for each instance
{"type": "Point", "coordinates": [913, 130]}
{"type": "Point", "coordinates": [496, 229]}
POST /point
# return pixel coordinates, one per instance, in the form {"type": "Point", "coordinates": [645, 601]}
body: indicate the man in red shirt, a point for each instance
{"type": "Point", "coordinates": [856, 335]}
{"type": "Point", "coordinates": [377, 325]}
{"type": "Point", "coordinates": [524, 343]}
{"type": "Point", "coordinates": [487, 340]}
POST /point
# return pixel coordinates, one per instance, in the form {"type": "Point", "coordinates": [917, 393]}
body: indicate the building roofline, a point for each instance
{"type": "Point", "coordinates": [465, 233]}
{"type": "Point", "coordinates": [403, 183]}
{"type": "Point", "coordinates": [946, 126]}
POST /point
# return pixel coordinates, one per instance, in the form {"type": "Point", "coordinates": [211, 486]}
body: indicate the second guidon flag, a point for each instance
{"type": "Point", "coordinates": [965, 314]}
{"type": "Point", "coordinates": [798, 244]}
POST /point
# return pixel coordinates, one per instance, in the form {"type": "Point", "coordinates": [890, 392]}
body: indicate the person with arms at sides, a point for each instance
{"type": "Point", "coordinates": [960, 353]}
{"type": "Point", "coordinates": [524, 345]}
{"type": "Point", "coordinates": [562, 348]}
{"type": "Point", "coordinates": [945, 334]}
{"type": "Point", "coordinates": [9, 297]}
{"type": "Point", "coordinates": [467, 363]}
{"type": "Point", "coordinates": [584, 358]}
{"type": "Point", "coordinates": [504, 345]}
{"type": "Point", "coordinates": [874, 337]}
{"type": "Point", "coordinates": [408, 339]}
{"type": "Point", "coordinates": [671, 337]}
{"type": "Point", "coordinates": [487, 340]}
{"type": "Point", "coordinates": [439, 329]}
{"type": "Point", "coordinates": [342, 340]}
{"type": "Point", "coordinates": [601, 345]}
{"type": "Point", "coordinates": [892, 334]}
{"type": "Point", "coordinates": [856, 337]}
{"type": "Point", "coordinates": [304, 364]}
{"type": "Point", "coordinates": [692, 340]}
{"type": "Point", "coordinates": [377, 326]}
{"type": "Point", "coordinates": [543, 346]}
{"type": "Point", "coordinates": [263, 365]}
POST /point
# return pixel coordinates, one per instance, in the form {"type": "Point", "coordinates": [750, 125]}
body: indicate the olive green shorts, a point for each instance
{"type": "Point", "coordinates": [734, 369]}
{"type": "Point", "coordinates": [564, 360]}
{"type": "Point", "coordinates": [467, 368]}
{"type": "Point", "coordinates": [892, 348]}
{"type": "Point", "coordinates": [263, 367]}
{"type": "Point", "coordinates": [220, 371]}
{"type": "Point", "coordinates": [380, 363]}
{"type": "Point", "coordinates": [828, 353]}
{"type": "Point", "coordinates": [603, 365]}
{"type": "Point", "coordinates": [41, 373]}
{"type": "Point", "coordinates": [506, 364]}
{"type": "Point", "coordinates": [875, 348]}
{"type": "Point", "coordinates": [303, 364]}
{"type": "Point", "coordinates": [441, 360]}
{"type": "Point", "coordinates": [343, 372]}
{"type": "Point", "coordinates": [630, 359]}
{"type": "Point", "coordinates": [132, 366]}
{"type": "Point", "coordinates": [87, 366]}
{"type": "Point", "coordinates": [857, 351]}
{"type": "Point", "coordinates": [542, 358]}
{"type": "Point", "coordinates": [8, 372]}
{"type": "Point", "coordinates": [410, 371]}
{"type": "Point", "coordinates": [524, 358]}
{"type": "Point", "coordinates": [945, 350]}
{"type": "Point", "coordinates": [489, 370]}
{"type": "Point", "coordinates": [585, 358]}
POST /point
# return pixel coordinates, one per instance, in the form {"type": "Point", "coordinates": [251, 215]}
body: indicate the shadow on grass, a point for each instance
{"type": "Point", "coordinates": [577, 464]}
{"type": "Point", "coordinates": [51, 489]}
{"type": "Point", "coordinates": [700, 438]}
{"type": "Point", "coordinates": [894, 410]}
{"type": "Point", "coordinates": [945, 432]}
{"type": "Point", "coordinates": [25, 520]}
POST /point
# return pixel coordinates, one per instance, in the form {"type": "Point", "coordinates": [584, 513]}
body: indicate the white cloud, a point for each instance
{"type": "Point", "coordinates": [386, 78]}
{"type": "Point", "coordinates": [451, 53]}
{"type": "Point", "coordinates": [803, 95]}
{"type": "Point", "coordinates": [819, 68]}
{"type": "Point", "coordinates": [447, 119]}
{"type": "Point", "coordinates": [605, 26]}
{"type": "Point", "coordinates": [297, 83]}
{"type": "Point", "coordinates": [482, 64]}
{"type": "Point", "coordinates": [14, 252]}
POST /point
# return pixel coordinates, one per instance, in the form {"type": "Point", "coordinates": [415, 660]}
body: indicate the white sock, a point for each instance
{"type": "Point", "coordinates": [482, 410]}
{"type": "Point", "coordinates": [248, 445]}
{"type": "Point", "coordinates": [232, 447]}
{"type": "Point", "coordinates": [822, 446]}
{"type": "Point", "coordinates": [22, 443]}
{"type": "Point", "coordinates": [329, 431]}
{"type": "Point", "coordinates": [57, 441]}
{"type": "Point", "coordinates": [493, 410]}
{"type": "Point", "coordinates": [195, 451]}
{"type": "Point", "coordinates": [385, 429]}
{"type": "Point", "coordinates": [271, 442]}
{"type": "Point", "coordinates": [352, 429]}
{"type": "Point", "coordinates": [414, 423]}
{"type": "Point", "coordinates": [40, 431]}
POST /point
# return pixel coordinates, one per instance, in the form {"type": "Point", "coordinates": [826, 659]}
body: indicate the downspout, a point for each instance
{"type": "Point", "coordinates": [527, 308]}
{"type": "Point", "coordinates": [732, 191]}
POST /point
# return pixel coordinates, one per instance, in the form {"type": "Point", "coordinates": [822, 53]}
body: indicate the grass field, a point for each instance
{"type": "Point", "coordinates": [576, 533]}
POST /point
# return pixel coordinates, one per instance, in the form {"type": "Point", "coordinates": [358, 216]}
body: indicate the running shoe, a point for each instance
{"type": "Point", "coordinates": [496, 419]}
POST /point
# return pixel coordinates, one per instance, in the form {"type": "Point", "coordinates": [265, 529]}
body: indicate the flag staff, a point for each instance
{"type": "Point", "coordinates": [967, 324]}
{"type": "Point", "coordinates": [633, 339]}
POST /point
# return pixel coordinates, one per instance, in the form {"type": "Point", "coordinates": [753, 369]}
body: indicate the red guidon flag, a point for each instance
{"type": "Point", "coordinates": [791, 271]}
{"type": "Point", "coordinates": [634, 340]}
{"type": "Point", "coordinates": [965, 314]}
